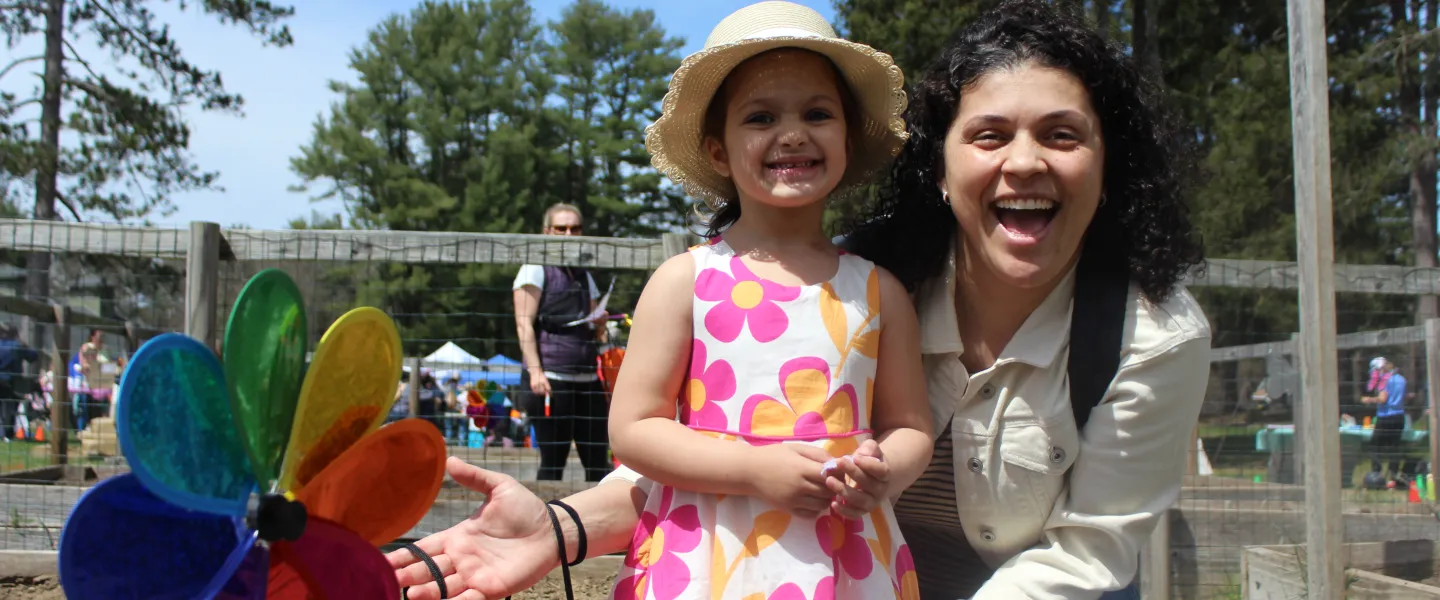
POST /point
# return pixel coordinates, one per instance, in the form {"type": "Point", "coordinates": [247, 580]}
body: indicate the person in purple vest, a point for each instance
{"type": "Point", "coordinates": [565, 399]}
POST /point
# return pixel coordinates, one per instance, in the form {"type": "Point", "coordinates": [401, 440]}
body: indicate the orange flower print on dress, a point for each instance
{"type": "Point", "coordinates": [743, 299]}
{"type": "Point", "coordinates": [704, 386]}
{"type": "Point", "coordinates": [809, 410]}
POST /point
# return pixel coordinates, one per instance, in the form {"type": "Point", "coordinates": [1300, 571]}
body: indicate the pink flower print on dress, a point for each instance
{"type": "Point", "coordinates": [704, 386]}
{"type": "Point", "coordinates": [840, 539]}
{"type": "Point", "coordinates": [907, 582]}
{"type": "Point", "coordinates": [653, 552]}
{"type": "Point", "coordinates": [743, 298]}
{"type": "Point", "coordinates": [809, 411]}
{"type": "Point", "coordinates": [824, 590]}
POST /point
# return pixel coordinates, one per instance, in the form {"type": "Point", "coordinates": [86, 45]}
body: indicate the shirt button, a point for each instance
{"type": "Point", "coordinates": [987, 535]}
{"type": "Point", "coordinates": [976, 465]}
{"type": "Point", "coordinates": [987, 391]}
{"type": "Point", "coordinates": [1057, 454]}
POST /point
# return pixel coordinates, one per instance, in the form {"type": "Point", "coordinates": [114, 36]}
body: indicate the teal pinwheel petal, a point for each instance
{"type": "Point", "coordinates": [177, 430]}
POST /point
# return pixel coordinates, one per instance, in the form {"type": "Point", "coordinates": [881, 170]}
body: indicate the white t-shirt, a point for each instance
{"type": "Point", "coordinates": [535, 275]}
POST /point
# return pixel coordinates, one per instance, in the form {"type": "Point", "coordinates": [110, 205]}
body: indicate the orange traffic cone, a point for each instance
{"type": "Point", "coordinates": [19, 432]}
{"type": "Point", "coordinates": [1414, 494]}
{"type": "Point", "coordinates": [39, 433]}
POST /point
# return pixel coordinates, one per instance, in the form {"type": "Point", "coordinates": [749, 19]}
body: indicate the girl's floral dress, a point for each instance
{"type": "Point", "coordinates": [772, 364]}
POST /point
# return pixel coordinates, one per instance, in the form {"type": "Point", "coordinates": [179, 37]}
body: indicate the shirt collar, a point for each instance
{"type": "Point", "coordinates": [1037, 342]}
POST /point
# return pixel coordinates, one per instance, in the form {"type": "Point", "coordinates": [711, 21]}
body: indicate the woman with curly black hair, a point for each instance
{"type": "Point", "coordinates": [1041, 173]}
{"type": "Point", "coordinates": [1041, 163]}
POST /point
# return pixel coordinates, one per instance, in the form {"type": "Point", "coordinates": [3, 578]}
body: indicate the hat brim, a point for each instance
{"type": "Point", "coordinates": [675, 139]}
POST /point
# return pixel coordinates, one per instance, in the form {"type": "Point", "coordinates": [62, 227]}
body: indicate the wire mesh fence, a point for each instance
{"type": "Point", "coordinates": [470, 339]}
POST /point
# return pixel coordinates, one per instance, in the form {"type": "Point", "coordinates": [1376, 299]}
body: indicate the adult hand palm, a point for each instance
{"type": "Point", "coordinates": [506, 546]}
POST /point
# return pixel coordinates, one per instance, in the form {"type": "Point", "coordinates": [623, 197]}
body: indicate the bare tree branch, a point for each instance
{"type": "Point", "coordinates": [19, 61]}
{"type": "Point", "coordinates": [129, 31]}
{"type": "Point", "coordinates": [68, 206]}
{"type": "Point", "coordinates": [30, 6]}
{"type": "Point", "coordinates": [75, 56]}
{"type": "Point", "coordinates": [23, 103]}
{"type": "Point", "coordinates": [90, 88]}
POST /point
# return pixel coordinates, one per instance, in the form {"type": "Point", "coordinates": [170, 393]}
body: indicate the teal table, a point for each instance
{"type": "Point", "coordinates": [1274, 433]}
{"type": "Point", "coordinates": [1279, 441]}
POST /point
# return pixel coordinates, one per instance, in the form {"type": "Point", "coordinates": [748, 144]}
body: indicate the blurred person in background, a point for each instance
{"type": "Point", "coordinates": [560, 389]}
{"type": "Point", "coordinates": [13, 356]}
{"type": "Point", "coordinates": [1388, 396]}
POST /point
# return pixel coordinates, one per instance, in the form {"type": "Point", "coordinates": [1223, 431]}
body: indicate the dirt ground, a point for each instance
{"type": "Point", "coordinates": [45, 587]}
{"type": "Point", "coordinates": [592, 583]}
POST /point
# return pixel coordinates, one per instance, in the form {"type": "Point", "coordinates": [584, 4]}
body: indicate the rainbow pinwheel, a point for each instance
{"type": "Point", "coordinates": [257, 477]}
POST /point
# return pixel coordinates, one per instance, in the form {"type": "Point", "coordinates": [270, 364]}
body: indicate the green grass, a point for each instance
{"type": "Point", "coordinates": [19, 455]}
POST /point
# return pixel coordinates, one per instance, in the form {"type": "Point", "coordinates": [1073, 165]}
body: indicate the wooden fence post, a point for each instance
{"type": "Point", "coordinates": [1315, 257]}
{"type": "Point", "coordinates": [202, 282]}
{"type": "Point", "coordinates": [414, 390]}
{"type": "Point", "coordinates": [674, 244]}
{"type": "Point", "coordinates": [1432, 368]}
{"type": "Point", "coordinates": [1155, 562]}
{"type": "Point", "coordinates": [60, 423]}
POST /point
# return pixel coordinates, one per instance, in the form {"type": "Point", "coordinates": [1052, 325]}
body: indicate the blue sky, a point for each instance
{"type": "Point", "coordinates": [285, 90]}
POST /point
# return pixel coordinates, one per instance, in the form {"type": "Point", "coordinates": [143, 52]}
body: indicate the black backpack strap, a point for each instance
{"type": "Point", "coordinates": [1097, 322]}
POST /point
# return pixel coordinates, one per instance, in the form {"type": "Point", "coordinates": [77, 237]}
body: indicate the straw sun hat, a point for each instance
{"type": "Point", "coordinates": [675, 139]}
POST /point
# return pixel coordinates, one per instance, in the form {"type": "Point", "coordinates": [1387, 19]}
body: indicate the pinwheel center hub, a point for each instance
{"type": "Point", "coordinates": [276, 517]}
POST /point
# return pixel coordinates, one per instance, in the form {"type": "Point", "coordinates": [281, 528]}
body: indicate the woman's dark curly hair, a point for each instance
{"type": "Point", "coordinates": [1144, 221]}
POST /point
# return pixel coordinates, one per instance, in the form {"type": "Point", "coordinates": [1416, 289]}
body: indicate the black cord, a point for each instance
{"type": "Point", "coordinates": [560, 540]}
{"type": "Point", "coordinates": [429, 564]}
{"type": "Point", "coordinates": [579, 528]}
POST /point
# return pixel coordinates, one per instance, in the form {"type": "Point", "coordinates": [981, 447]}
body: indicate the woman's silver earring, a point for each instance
{"type": "Point", "coordinates": [1102, 198]}
{"type": "Point", "coordinates": [945, 197]}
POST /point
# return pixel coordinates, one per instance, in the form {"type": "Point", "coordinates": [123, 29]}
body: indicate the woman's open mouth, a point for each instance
{"type": "Point", "coordinates": [1025, 218]}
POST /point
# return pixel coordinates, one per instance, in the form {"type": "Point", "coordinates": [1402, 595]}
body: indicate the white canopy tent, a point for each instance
{"type": "Point", "coordinates": [452, 357]}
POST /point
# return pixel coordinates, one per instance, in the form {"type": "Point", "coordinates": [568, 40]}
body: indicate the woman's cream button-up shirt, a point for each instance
{"type": "Point", "coordinates": [1054, 514]}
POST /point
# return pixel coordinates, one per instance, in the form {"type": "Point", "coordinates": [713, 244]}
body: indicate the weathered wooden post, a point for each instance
{"type": "Point", "coordinates": [202, 282]}
{"type": "Point", "coordinates": [60, 423]}
{"type": "Point", "coordinates": [1314, 229]}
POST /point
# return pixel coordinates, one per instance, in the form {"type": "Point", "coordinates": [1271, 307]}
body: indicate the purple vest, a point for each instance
{"type": "Point", "coordinates": [565, 298]}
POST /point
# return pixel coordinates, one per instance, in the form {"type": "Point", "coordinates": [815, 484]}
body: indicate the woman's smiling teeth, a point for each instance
{"type": "Point", "coordinates": [1025, 217]}
{"type": "Point", "coordinates": [1025, 204]}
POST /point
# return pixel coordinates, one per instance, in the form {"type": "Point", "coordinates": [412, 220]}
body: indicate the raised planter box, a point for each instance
{"type": "Point", "coordinates": [1404, 570]}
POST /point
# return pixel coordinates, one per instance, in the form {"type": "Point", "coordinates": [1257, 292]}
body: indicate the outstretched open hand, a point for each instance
{"type": "Point", "coordinates": [506, 546]}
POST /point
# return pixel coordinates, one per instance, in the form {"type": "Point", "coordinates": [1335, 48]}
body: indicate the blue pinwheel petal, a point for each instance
{"type": "Point", "coordinates": [177, 430]}
{"type": "Point", "coordinates": [122, 541]}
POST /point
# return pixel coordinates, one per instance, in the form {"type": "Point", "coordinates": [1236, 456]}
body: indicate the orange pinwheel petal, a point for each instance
{"type": "Point", "coordinates": [384, 484]}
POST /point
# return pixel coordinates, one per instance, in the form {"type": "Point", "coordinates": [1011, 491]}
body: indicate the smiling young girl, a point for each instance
{"type": "Point", "coordinates": [782, 351]}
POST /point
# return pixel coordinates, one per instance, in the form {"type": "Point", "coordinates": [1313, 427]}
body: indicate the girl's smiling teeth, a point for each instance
{"type": "Point", "coordinates": [793, 167]}
{"type": "Point", "coordinates": [1025, 217]}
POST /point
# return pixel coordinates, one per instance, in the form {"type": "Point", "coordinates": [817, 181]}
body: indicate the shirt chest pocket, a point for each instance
{"type": "Point", "coordinates": [1036, 458]}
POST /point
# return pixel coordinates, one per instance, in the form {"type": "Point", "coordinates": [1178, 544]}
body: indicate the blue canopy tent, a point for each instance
{"type": "Point", "coordinates": [502, 370]}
